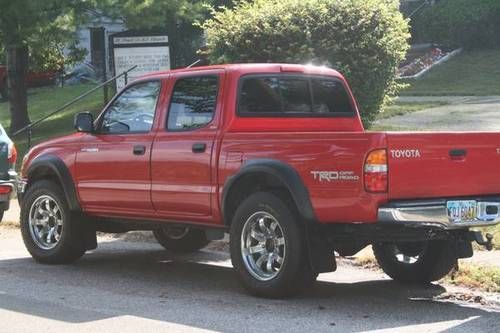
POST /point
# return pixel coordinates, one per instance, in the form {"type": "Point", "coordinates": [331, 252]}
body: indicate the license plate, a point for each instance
{"type": "Point", "coordinates": [462, 210]}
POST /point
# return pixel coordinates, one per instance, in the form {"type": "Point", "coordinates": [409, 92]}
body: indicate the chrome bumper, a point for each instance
{"type": "Point", "coordinates": [434, 213]}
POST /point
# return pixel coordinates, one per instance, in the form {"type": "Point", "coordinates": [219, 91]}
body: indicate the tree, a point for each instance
{"type": "Point", "coordinates": [23, 22]}
{"type": "Point", "coordinates": [363, 39]}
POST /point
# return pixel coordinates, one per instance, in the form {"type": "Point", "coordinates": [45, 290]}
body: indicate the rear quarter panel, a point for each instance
{"type": "Point", "coordinates": [338, 201]}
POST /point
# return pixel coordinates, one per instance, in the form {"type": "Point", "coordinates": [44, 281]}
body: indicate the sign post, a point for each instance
{"type": "Point", "coordinates": [150, 53]}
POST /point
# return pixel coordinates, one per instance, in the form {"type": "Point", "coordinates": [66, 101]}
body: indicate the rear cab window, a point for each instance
{"type": "Point", "coordinates": [193, 103]}
{"type": "Point", "coordinates": [283, 95]}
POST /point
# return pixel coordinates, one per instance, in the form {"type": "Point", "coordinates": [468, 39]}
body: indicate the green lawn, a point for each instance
{"type": "Point", "coordinates": [472, 73]}
{"type": "Point", "coordinates": [42, 101]}
{"type": "Point", "coordinates": [399, 109]}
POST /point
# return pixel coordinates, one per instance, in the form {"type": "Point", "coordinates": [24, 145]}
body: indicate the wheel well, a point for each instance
{"type": "Point", "coordinates": [252, 183]}
{"type": "Point", "coordinates": [43, 173]}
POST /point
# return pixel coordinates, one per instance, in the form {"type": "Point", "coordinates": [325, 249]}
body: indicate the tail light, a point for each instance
{"type": "Point", "coordinates": [12, 154]}
{"type": "Point", "coordinates": [5, 189]}
{"type": "Point", "coordinates": [375, 171]}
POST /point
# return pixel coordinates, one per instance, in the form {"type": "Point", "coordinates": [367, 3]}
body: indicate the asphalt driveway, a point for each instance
{"type": "Point", "coordinates": [137, 286]}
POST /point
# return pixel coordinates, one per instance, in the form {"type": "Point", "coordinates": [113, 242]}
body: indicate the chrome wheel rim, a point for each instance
{"type": "Point", "coordinates": [176, 232]}
{"type": "Point", "coordinates": [46, 222]}
{"type": "Point", "coordinates": [263, 246]}
{"type": "Point", "coordinates": [408, 257]}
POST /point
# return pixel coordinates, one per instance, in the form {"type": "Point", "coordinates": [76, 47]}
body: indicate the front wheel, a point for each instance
{"type": "Point", "coordinates": [51, 233]}
{"type": "Point", "coordinates": [416, 262]}
{"type": "Point", "coordinates": [268, 248]}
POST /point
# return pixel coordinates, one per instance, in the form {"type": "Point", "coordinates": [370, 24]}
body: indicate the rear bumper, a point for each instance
{"type": "Point", "coordinates": [434, 213]}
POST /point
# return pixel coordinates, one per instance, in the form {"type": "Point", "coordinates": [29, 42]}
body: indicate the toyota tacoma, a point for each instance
{"type": "Point", "coordinates": [276, 156]}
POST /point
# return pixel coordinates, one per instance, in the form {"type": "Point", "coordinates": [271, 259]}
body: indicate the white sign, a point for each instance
{"type": "Point", "coordinates": [141, 40]}
{"type": "Point", "coordinates": [135, 51]}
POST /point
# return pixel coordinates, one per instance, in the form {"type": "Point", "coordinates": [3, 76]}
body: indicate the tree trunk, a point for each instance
{"type": "Point", "coordinates": [17, 63]}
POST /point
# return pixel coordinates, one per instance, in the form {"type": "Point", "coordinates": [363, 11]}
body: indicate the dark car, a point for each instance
{"type": "Point", "coordinates": [33, 79]}
{"type": "Point", "coordinates": [8, 156]}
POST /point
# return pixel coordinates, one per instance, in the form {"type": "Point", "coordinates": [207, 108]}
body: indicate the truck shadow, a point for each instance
{"type": "Point", "coordinates": [141, 280]}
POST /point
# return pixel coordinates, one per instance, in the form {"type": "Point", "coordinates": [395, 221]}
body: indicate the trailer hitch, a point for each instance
{"type": "Point", "coordinates": [477, 236]}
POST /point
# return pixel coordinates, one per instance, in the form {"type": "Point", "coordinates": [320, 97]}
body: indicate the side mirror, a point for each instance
{"type": "Point", "coordinates": [84, 122]}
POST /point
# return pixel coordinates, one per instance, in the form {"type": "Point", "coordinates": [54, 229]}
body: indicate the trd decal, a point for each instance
{"type": "Point", "coordinates": [330, 176]}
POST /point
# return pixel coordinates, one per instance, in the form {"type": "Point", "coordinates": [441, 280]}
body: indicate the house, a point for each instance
{"type": "Point", "coordinates": [93, 36]}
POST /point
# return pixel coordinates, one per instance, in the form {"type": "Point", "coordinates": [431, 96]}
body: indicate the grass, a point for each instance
{"type": "Point", "coordinates": [471, 73]}
{"type": "Point", "coordinates": [399, 108]}
{"type": "Point", "coordinates": [43, 101]}
{"type": "Point", "coordinates": [485, 278]}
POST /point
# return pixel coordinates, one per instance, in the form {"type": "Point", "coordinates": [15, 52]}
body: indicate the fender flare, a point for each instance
{"type": "Point", "coordinates": [61, 171]}
{"type": "Point", "coordinates": [281, 171]}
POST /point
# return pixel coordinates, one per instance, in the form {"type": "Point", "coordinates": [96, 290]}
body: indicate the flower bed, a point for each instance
{"type": "Point", "coordinates": [422, 63]}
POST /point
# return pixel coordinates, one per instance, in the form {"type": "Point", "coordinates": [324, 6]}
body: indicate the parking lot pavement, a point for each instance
{"type": "Point", "coordinates": [132, 286]}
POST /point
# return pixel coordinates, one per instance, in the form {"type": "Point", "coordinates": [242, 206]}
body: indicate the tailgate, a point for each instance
{"type": "Point", "coordinates": [433, 165]}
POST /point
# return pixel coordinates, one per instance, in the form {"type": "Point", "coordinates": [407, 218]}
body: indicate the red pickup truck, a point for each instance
{"type": "Point", "coordinates": [274, 154]}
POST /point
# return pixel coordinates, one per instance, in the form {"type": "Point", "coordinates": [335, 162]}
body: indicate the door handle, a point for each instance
{"type": "Point", "coordinates": [139, 150]}
{"type": "Point", "coordinates": [458, 154]}
{"type": "Point", "coordinates": [199, 147]}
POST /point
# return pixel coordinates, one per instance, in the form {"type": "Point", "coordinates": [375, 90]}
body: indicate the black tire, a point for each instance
{"type": "Point", "coordinates": [434, 260]}
{"type": "Point", "coordinates": [189, 240]}
{"type": "Point", "coordinates": [294, 273]}
{"type": "Point", "coordinates": [71, 245]}
{"type": "Point", "coordinates": [1, 215]}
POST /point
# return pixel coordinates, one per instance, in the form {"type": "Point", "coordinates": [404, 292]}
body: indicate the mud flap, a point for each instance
{"type": "Point", "coordinates": [321, 254]}
{"type": "Point", "coordinates": [89, 234]}
{"type": "Point", "coordinates": [464, 249]}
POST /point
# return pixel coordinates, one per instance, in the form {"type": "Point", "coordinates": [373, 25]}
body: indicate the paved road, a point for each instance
{"type": "Point", "coordinates": [131, 287]}
{"type": "Point", "coordinates": [462, 114]}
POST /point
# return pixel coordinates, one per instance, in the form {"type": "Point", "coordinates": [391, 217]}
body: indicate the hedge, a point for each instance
{"type": "Point", "coordinates": [363, 39]}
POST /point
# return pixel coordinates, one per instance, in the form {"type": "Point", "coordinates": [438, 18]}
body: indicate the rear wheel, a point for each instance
{"type": "Point", "coordinates": [51, 233]}
{"type": "Point", "coordinates": [416, 262]}
{"type": "Point", "coordinates": [1, 215]}
{"type": "Point", "coordinates": [268, 249]}
{"type": "Point", "coordinates": [181, 239]}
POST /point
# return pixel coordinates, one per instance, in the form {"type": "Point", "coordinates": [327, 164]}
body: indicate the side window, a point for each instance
{"type": "Point", "coordinates": [193, 103]}
{"type": "Point", "coordinates": [133, 110]}
{"type": "Point", "coordinates": [330, 97]}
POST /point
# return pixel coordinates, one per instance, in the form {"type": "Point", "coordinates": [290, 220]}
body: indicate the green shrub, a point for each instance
{"type": "Point", "coordinates": [467, 23]}
{"type": "Point", "coordinates": [363, 39]}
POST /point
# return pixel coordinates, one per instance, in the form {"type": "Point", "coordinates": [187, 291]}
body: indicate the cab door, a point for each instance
{"type": "Point", "coordinates": [183, 180]}
{"type": "Point", "coordinates": [113, 164]}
